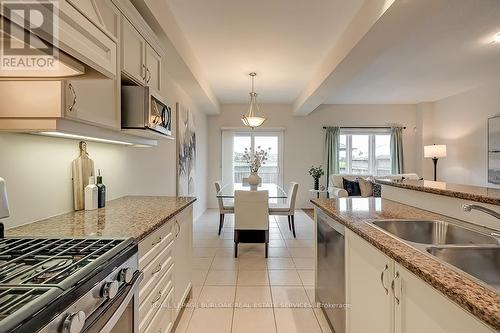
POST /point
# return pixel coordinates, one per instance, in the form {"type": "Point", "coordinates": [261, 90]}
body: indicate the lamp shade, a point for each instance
{"type": "Point", "coordinates": [435, 151]}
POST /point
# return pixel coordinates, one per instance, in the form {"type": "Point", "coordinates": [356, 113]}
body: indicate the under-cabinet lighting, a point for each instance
{"type": "Point", "coordinates": [88, 138]}
{"type": "Point", "coordinates": [497, 38]}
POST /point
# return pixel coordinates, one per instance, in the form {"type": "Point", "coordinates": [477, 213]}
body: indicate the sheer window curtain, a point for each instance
{"type": "Point", "coordinates": [397, 165]}
{"type": "Point", "coordinates": [227, 157]}
{"type": "Point", "coordinates": [331, 155]}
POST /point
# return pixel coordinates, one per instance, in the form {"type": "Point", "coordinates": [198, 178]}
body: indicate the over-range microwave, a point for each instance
{"type": "Point", "coordinates": [144, 109]}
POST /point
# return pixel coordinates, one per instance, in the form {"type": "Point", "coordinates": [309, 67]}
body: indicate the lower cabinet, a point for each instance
{"type": "Point", "coordinates": [165, 257]}
{"type": "Point", "coordinates": [385, 297]}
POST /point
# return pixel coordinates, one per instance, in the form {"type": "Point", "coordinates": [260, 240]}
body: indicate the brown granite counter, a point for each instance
{"type": "Point", "coordinates": [467, 192]}
{"type": "Point", "coordinates": [131, 216]}
{"type": "Point", "coordinates": [482, 302]}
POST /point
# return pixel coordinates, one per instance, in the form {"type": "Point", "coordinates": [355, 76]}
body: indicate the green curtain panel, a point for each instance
{"type": "Point", "coordinates": [397, 150]}
{"type": "Point", "coordinates": [331, 154]}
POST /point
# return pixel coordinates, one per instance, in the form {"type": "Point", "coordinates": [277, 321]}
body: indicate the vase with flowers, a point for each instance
{"type": "Point", "coordinates": [316, 173]}
{"type": "Point", "coordinates": [254, 161]}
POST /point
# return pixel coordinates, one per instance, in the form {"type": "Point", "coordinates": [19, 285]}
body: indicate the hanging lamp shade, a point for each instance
{"type": "Point", "coordinates": [253, 118]}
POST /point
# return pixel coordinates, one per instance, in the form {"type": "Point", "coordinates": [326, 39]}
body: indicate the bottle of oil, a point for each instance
{"type": "Point", "coordinates": [101, 191]}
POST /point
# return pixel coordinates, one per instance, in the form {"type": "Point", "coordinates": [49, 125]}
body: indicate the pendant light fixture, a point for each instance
{"type": "Point", "coordinates": [252, 119]}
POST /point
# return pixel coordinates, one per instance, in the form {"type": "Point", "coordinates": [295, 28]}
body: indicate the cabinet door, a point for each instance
{"type": "Point", "coordinates": [94, 101]}
{"type": "Point", "coordinates": [423, 309]}
{"type": "Point", "coordinates": [153, 68]}
{"type": "Point", "coordinates": [368, 278]}
{"type": "Point", "coordinates": [183, 257]}
{"type": "Point", "coordinates": [133, 50]}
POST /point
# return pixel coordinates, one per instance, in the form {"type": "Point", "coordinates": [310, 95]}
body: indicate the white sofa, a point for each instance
{"type": "Point", "coordinates": [336, 185]}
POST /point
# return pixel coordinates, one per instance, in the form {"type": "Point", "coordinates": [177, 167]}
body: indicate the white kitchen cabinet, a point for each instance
{"type": "Point", "coordinates": [368, 272]}
{"type": "Point", "coordinates": [140, 62]}
{"type": "Point", "coordinates": [388, 298]}
{"type": "Point", "coordinates": [423, 309]}
{"type": "Point", "coordinates": [165, 257]}
{"type": "Point", "coordinates": [183, 254]}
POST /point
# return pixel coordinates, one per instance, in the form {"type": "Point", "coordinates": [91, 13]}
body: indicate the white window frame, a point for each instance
{"type": "Point", "coordinates": [271, 132]}
{"type": "Point", "coordinates": [372, 133]}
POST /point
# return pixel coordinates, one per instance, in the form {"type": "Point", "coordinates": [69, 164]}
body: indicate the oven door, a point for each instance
{"type": "Point", "coordinates": [160, 115]}
{"type": "Point", "coordinates": [119, 315]}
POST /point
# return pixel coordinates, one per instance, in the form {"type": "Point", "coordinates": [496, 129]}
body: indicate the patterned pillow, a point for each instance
{"type": "Point", "coordinates": [377, 190]}
{"type": "Point", "coordinates": [352, 187]}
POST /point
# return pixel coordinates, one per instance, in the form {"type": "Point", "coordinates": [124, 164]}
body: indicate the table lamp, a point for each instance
{"type": "Point", "coordinates": [435, 152]}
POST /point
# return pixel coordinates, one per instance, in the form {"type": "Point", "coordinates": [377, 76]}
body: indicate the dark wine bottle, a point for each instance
{"type": "Point", "coordinates": [101, 191]}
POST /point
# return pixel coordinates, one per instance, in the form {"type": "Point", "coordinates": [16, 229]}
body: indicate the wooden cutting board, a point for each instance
{"type": "Point", "coordinates": [83, 168]}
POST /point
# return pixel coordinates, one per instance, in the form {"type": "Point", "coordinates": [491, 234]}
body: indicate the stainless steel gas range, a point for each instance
{"type": "Point", "coordinates": [68, 285]}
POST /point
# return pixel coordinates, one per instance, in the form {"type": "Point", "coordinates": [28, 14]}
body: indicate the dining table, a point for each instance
{"type": "Point", "coordinates": [275, 190]}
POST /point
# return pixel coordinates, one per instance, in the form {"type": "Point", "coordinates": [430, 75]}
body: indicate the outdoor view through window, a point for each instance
{"type": "Point", "coordinates": [368, 153]}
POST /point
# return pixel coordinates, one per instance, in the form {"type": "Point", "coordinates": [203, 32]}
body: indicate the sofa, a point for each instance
{"type": "Point", "coordinates": [336, 185]}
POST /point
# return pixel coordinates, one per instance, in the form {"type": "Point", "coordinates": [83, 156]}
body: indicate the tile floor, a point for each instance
{"type": "Point", "coordinates": [252, 293]}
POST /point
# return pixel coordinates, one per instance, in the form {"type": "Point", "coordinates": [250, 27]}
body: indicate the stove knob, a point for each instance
{"type": "Point", "coordinates": [126, 275]}
{"type": "Point", "coordinates": [110, 289]}
{"type": "Point", "coordinates": [74, 322]}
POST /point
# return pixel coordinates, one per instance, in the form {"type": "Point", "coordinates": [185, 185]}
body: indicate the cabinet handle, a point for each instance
{"type": "Point", "coordinates": [158, 269]}
{"type": "Point", "coordinates": [153, 302]}
{"type": "Point", "coordinates": [393, 283]}
{"type": "Point", "coordinates": [178, 229]}
{"type": "Point", "coordinates": [148, 75]}
{"type": "Point", "coordinates": [73, 92]}
{"type": "Point", "coordinates": [382, 279]}
{"type": "Point", "coordinates": [156, 242]}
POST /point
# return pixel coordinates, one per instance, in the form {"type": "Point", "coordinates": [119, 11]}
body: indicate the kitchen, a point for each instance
{"type": "Point", "coordinates": [111, 143]}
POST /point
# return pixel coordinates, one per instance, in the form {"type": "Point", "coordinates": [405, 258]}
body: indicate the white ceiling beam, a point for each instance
{"type": "Point", "coordinates": [324, 81]}
{"type": "Point", "coordinates": [183, 65]}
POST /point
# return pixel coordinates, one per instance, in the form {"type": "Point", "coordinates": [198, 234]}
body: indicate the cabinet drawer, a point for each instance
{"type": "Point", "coordinates": [163, 320]}
{"type": "Point", "coordinates": [151, 246]}
{"type": "Point", "coordinates": [150, 304]}
{"type": "Point", "coordinates": [155, 270]}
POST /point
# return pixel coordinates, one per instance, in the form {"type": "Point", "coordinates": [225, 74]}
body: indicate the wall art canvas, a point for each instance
{"type": "Point", "coordinates": [186, 151]}
{"type": "Point", "coordinates": [494, 150]}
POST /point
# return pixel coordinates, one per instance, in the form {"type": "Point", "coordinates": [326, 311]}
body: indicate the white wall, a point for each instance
{"type": "Point", "coordinates": [304, 137]}
{"type": "Point", "coordinates": [38, 169]}
{"type": "Point", "coordinates": [460, 122]}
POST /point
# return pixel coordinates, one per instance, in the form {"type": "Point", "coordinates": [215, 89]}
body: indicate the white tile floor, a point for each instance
{"type": "Point", "coordinates": [252, 293]}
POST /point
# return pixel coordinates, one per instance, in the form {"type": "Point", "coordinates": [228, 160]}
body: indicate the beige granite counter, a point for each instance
{"type": "Point", "coordinates": [467, 192]}
{"type": "Point", "coordinates": [131, 216]}
{"type": "Point", "coordinates": [482, 302]}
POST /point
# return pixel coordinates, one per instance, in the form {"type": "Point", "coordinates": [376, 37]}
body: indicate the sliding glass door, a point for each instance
{"type": "Point", "coordinates": [236, 168]}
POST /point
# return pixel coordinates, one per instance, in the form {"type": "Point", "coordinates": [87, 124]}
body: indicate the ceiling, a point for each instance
{"type": "Point", "coordinates": [423, 51]}
{"type": "Point", "coordinates": [284, 41]}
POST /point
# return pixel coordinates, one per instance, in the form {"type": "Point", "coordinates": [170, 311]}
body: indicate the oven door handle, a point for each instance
{"type": "Point", "coordinates": [123, 305]}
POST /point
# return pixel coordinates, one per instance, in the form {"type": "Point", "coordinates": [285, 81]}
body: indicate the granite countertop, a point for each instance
{"type": "Point", "coordinates": [474, 297]}
{"type": "Point", "coordinates": [467, 192]}
{"type": "Point", "coordinates": [131, 216]}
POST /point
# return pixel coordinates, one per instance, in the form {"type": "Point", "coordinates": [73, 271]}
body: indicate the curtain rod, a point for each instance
{"type": "Point", "coordinates": [363, 127]}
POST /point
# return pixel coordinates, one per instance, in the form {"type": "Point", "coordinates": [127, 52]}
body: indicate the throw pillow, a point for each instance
{"type": "Point", "coordinates": [352, 187]}
{"type": "Point", "coordinates": [377, 190]}
{"type": "Point", "coordinates": [365, 187]}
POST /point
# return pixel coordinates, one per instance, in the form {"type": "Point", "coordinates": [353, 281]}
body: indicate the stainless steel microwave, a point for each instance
{"type": "Point", "coordinates": [144, 109]}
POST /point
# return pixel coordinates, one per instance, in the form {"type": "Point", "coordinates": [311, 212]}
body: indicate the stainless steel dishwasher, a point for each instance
{"type": "Point", "coordinates": [330, 284]}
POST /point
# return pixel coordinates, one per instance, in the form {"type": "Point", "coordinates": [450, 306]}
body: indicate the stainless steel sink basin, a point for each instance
{"type": "Point", "coordinates": [482, 263]}
{"type": "Point", "coordinates": [434, 232]}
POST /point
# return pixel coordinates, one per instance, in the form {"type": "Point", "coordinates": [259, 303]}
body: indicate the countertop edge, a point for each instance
{"type": "Point", "coordinates": [457, 295]}
{"type": "Point", "coordinates": [159, 224]}
{"type": "Point", "coordinates": [445, 192]}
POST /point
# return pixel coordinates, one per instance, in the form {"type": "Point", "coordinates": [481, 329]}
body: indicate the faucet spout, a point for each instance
{"type": "Point", "coordinates": [469, 207]}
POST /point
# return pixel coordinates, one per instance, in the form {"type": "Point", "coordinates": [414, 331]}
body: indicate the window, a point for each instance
{"type": "Point", "coordinates": [234, 168]}
{"type": "Point", "coordinates": [364, 152]}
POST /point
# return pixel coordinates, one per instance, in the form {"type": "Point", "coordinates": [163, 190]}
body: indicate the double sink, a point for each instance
{"type": "Point", "coordinates": [476, 252]}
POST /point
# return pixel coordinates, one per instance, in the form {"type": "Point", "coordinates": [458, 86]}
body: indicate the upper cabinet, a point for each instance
{"type": "Point", "coordinates": [140, 62]}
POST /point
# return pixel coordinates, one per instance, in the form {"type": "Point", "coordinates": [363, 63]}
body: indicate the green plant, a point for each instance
{"type": "Point", "coordinates": [316, 172]}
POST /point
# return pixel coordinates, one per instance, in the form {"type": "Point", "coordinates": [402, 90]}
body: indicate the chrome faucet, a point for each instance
{"type": "Point", "coordinates": [469, 207]}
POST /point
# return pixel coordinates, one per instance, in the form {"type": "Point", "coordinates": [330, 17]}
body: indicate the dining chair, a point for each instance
{"type": "Point", "coordinates": [224, 207]}
{"type": "Point", "coordinates": [287, 209]}
{"type": "Point", "coordinates": [251, 218]}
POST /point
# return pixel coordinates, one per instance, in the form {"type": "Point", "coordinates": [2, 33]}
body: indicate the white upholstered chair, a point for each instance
{"type": "Point", "coordinates": [251, 218]}
{"type": "Point", "coordinates": [287, 209]}
{"type": "Point", "coordinates": [225, 207]}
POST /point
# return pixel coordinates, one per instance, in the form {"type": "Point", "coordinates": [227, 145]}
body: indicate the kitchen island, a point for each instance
{"type": "Point", "coordinates": [401, 282]}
